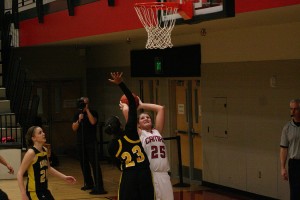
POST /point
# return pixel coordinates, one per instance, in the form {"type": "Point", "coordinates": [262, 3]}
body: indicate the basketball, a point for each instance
{"type": "Point", "coordinates": [125, 100]}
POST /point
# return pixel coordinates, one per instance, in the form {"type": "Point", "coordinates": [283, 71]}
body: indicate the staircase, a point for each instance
{"type": "Point", "coordinates": [10, 131]}
{"type": "Point", "coordinates": [18, 107]}
{"type": "Point", "coordinates": [11, 135]}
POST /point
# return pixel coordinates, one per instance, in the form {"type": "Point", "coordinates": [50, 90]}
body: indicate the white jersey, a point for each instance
{"type": "Point", "coordinates": [156, 150]}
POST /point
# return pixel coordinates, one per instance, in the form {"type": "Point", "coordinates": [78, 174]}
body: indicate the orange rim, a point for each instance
{"type": "Point", "coordinates": [161, 4]}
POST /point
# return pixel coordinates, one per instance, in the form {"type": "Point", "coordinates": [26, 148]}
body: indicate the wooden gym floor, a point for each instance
{"type": "Point", "coordinates": [70, 166]}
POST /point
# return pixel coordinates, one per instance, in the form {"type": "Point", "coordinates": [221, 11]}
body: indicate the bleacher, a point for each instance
{"type": "Point", "coordinates": [18, 107]}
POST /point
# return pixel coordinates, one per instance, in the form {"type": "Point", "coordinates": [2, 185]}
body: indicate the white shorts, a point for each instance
{"type": "Point", "coordinates": [162, 185]}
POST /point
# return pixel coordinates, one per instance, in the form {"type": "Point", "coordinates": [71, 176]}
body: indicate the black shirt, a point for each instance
{"type": "Point", "coordinates": [88, 129]}
{"type": "Point", "coordinates": [127, 147]}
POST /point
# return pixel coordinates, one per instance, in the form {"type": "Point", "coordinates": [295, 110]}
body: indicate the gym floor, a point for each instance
{"type": "Point", "coordinates": [70, 166]}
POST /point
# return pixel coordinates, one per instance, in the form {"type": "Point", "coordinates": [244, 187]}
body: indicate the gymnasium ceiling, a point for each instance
{"type": "Point", "coordinates": [268, 17]}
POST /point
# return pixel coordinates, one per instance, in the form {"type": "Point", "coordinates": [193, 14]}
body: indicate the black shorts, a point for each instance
{"type": "Point", "coordinates": [136, 185]}
{"type": "Point", "coordinates": [40, 194]}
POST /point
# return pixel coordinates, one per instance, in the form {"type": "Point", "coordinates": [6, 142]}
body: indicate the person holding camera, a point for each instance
{"type": "Point", "coordinates": [85, 125]}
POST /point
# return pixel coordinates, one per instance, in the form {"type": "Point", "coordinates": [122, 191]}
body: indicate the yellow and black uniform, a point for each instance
{"type": "Point", "coordinates": [37, 182]}
{"type": "Point", "coordinates": [136, 179]}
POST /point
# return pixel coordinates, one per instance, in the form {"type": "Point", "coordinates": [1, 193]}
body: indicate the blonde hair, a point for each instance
{"type": "Point", "coordinates": [150, 115]}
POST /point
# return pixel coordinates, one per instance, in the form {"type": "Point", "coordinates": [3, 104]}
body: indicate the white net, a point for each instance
{"type": "Point", "coordinates": [158, 26]}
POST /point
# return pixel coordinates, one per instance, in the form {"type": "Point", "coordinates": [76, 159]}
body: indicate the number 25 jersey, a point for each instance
{"type": "Point", "coordinates": [156, 150]}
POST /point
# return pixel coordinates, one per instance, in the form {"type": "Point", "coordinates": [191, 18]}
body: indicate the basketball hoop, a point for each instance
{"type": "Point", "coordinates": [158, 26]}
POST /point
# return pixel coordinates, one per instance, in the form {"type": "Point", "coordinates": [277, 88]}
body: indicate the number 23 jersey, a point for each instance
{"type": "Point", "coordinates": [156, 150]}
{"type": "Point", "coordinates": [130, 152]}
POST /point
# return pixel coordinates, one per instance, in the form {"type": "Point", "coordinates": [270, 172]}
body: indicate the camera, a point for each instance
{"type": "Point", "coordinates": [80, 104]}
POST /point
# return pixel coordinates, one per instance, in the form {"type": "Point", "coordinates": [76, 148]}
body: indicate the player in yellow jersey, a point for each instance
{"type": "Point", "coordinates": [126, 148]}
{"type": "Point", "coordinates": [37, 165]}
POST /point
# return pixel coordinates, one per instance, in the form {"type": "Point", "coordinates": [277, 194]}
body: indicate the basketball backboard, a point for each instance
{"type": "Point", "coordinates": [205, 10]}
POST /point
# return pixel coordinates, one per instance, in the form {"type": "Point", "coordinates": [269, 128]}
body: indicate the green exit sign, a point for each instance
{"type": "Point", "coordinates": [158, 65]}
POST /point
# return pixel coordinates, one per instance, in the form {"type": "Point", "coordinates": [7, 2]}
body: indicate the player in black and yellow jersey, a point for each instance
{"type": "Point", "coordinates": [37, 165]}
{"type": "Point", "coordinates": [136, 179]}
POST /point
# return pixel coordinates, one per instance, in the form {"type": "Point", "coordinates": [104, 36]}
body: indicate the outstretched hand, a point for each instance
{"type": "Point", "coordinates": [70, 179]}
{"type": "Point", "coordinates": [116, 77]}
{"type": "Point", "coordinates": [11, 169]}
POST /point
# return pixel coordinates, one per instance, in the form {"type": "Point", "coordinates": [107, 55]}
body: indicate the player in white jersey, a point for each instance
{"type": "Point", "coordinates": [156, 149]}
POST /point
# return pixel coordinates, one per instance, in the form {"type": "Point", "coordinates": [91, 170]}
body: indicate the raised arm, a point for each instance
{"type": "Point", "coordinates": [76, 122]}
{"type": "Point", "coordinates": [124, 107]}
{"type": "Point", "coordinates": [93, 118]}
{"type": "Point", "coordinates": [131, 124]}
{"type": "Point", "coordinates": [118, 80]}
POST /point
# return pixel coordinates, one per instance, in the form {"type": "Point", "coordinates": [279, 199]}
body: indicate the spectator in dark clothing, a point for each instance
{"type": "Point", "coordinates": [85, 125]}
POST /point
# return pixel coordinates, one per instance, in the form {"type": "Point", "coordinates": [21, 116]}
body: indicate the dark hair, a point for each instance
{"type": "Point", "coordinates": [3, 195]}
{"type": "Point", "coordinates": [29, 135]}
{"type": "Point", "coordinates": [112, 126]}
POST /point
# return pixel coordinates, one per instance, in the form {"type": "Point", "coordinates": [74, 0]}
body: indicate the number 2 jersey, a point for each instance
{"type": "Point", "coordinates": [127, 147]}
{"type": "Point", "coordinates": [130, 153]}
{"type": "Point", "coordinates": [37, 172]}
{"type": "Point", "coordinates": [156, 150]}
